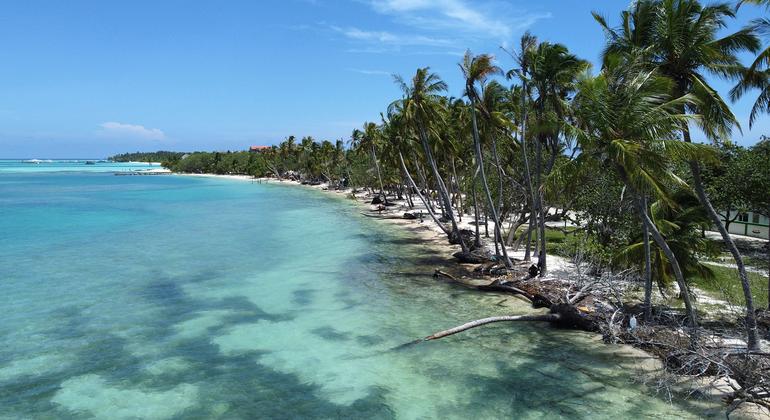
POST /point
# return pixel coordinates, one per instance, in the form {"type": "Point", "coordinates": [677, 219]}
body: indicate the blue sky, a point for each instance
{"type": "Point", "coordinates": [94, 78]}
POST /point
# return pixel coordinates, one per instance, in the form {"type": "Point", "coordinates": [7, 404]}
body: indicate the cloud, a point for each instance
{"type": "Point", "coordinates": [130, 131]}
{"type": "Point", "coordinates": [371, 72]}
{"type": "Point", "coordinates": [389, 38]}
{"type": "Point", "coordinates": [487, 19]}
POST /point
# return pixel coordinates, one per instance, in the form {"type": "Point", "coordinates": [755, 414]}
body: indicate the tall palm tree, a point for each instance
{"type": "Point", "coordinates": [421, 107]}
{"type": "Point", "coordinates": [625, 116]}
{"type": "Point", "coordinates": [397, 133]}
{"type": "Point", "coordinates": [680, 38]}
{"type": "Point", "coordinates": [527, 44]}
{"type": "Point", "coordinates": [553, 71]}
{"type": "Point", "coordinates": [476, 69]}
{"type": "Point", "coordinates": [367, 139]}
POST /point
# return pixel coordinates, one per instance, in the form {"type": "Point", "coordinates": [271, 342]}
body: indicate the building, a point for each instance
{"type": "Point", "coordinates": [749, 224]}
{"type": "Point", "coordinates": [256, 149]}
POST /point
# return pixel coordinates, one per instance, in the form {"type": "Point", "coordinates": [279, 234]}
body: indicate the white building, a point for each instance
{"type": "Point", "coordinates": [750, 224]}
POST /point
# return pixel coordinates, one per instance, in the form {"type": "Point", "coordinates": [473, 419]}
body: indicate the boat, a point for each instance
{"type": "Point", "coordinates": [33, 161]}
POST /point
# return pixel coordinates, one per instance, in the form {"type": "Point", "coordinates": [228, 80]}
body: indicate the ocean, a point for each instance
{"type": "Point", "coordinates": [170, 297]}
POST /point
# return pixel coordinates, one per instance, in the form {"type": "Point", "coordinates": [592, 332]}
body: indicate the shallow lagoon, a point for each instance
{"type": "Point", "coordinates": [179, 297]}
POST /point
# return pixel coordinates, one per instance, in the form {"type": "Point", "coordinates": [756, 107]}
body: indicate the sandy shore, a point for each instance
{"type": "Point", "coordinates": [432, 237]}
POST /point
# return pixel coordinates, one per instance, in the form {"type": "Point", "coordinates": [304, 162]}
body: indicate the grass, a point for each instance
{"type": "Point", "coordinates": [725, 284]}
{"type": "Point", "coordinates": [755, 262]}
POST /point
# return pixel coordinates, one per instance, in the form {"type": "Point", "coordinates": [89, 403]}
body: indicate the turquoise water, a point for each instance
{"type": "Point", "coordinates": [70, 165]}
{"type": "Point", "coordinates": [181, 297]}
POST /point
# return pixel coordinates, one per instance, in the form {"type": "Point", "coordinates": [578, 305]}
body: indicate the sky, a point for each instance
{"type": "Point", "coordinates": [95, 78]}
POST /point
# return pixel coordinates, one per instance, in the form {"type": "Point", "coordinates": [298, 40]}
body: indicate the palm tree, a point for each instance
{"type": "Point", "coordinates": [476, 69]}
{"type": "Point", "coordinates": [553, 72]}
{"type": "Point", "coordinates": [757, 76]}
{"type": "Point", "coordinates": [680, 38]}
{"type": "Point", "coordinates": [527, 43]}
{"type": "Point", "coordinates": [396, 132]}
{"type": "Point", "coordinates": [681, 226]}
{"type": "Point", "coordinates": [368, 138]}
{"type": "Point", "coordinates": [421, 107]}
{"type": "Point", "coordinates": [625, 116]}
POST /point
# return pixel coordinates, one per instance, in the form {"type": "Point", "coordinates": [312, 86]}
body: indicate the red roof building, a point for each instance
{"type": "Point", "coordinates": [258, 148]}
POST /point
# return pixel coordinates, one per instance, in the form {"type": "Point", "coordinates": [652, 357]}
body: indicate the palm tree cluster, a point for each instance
{"type": "Point", "coordinates": [550, 138]}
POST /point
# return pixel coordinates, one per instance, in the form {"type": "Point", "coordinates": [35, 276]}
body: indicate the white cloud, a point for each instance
{"type": "Point", "coordinates": [371, 72]}
{"type": "Point", "coordinates": [130, 131]}
{"type": "Point", "coordinates": [489, 19]}
{"type": "Point", "coordinates": [389, 38]}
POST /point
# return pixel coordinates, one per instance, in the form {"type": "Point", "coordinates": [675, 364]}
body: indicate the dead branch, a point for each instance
{"type": "Point", "coordinates": [485, 321]}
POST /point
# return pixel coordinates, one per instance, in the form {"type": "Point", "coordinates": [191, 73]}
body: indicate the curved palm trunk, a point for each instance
{"type": "Point", "coordinates": [663, 245]}
{"type": "Point", "coordinates": [458, 192]}
{"type": "Point", "coordinates": [423, 179]}
{"type": "Point", "coordinates": [477, 240]}
{"type": "Point", "coordinates": [419, 194]}
{"type": "Point", "coordinates": [530, 228]}
{"type": "Point", "coordinates": [441, 186]}
{"type": "Point", "coordinates": [647, 270]}
{"type": "Point", "coordinates": [661, 242]}
{"type": "Point", "coordinates": [491, 203]}
{"type": "Point", "coordinates": [379, 176]}
{"type": "Point", "coordinates": [541, 256]}
{"type": "Point", "coordinates": [751, 320]}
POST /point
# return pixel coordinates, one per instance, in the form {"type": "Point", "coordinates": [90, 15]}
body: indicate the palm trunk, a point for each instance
{"type": "Point", "coordinates": [647, 270]}
{"type": "Point", "coordinates": [527, 175]}
{"type": "Point", "coordinates": [491, 203]}
{"type": "Point", "coordinates": [751, 320]}
{"type": "Point", "coordinates": [541, 256]}
{"type": "Point", "coordinates": [458, 194]}
{"type": "Point", "coordinates": [477, 241]}
{"type": "Point", "coordinates": [663, 245]}
{"type": "Point", "coordinates": [499, 208]}
{"type": "Point", "coordinates": [528, 245]}
{"type": "Point", "coordinates": [379, 176]}
{"type": "Point", "coordinates": [419, 194]}
{"type": "Point", "coordinates": [442, 187]}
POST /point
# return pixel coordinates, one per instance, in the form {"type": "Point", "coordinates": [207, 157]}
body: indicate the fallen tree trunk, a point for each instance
{"type": "Point", "coordinates": [485, 321]}
{"type": "Point", "coordinates": [561, 315]}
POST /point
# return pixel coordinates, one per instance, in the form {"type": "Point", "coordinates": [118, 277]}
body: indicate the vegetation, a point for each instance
{"type": "Point", "coordinates": [160, 156]}
{"type": "Point", "coordinates": [610, 151]}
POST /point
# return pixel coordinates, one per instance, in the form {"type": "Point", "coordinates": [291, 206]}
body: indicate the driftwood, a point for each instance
{"type": "Point", "coordinates": [379, 216]}
{"type": "Point", "coordinates": [485, 321]}
{"type": "Point", "coordinates": [439, 273]}
{"type": "Point", "coordinates": [561, 315]}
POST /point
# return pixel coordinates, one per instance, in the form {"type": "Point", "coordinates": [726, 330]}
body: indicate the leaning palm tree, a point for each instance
{"type": "Point", "coordinates": [627, 123]}
{"type": "Point", "coordinates": [680, 39]}
{"type": "Point", "coordinates": [421, 107]}
{"type": "Point", "coordinates": [396, 133]}
{"type": "Point", "coordinates": [476, 69]}
{"type": "Point", "coordinates": [681, 226]}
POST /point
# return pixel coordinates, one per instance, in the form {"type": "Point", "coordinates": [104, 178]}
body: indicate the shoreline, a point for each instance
{"type": "Point", "coordinates": [431, 236]}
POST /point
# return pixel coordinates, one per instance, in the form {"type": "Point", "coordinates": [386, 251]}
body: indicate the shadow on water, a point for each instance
{"type": "Point", "coordinates": [232, 386]}
{"type": "Point", "coordinates": [570, 381]}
